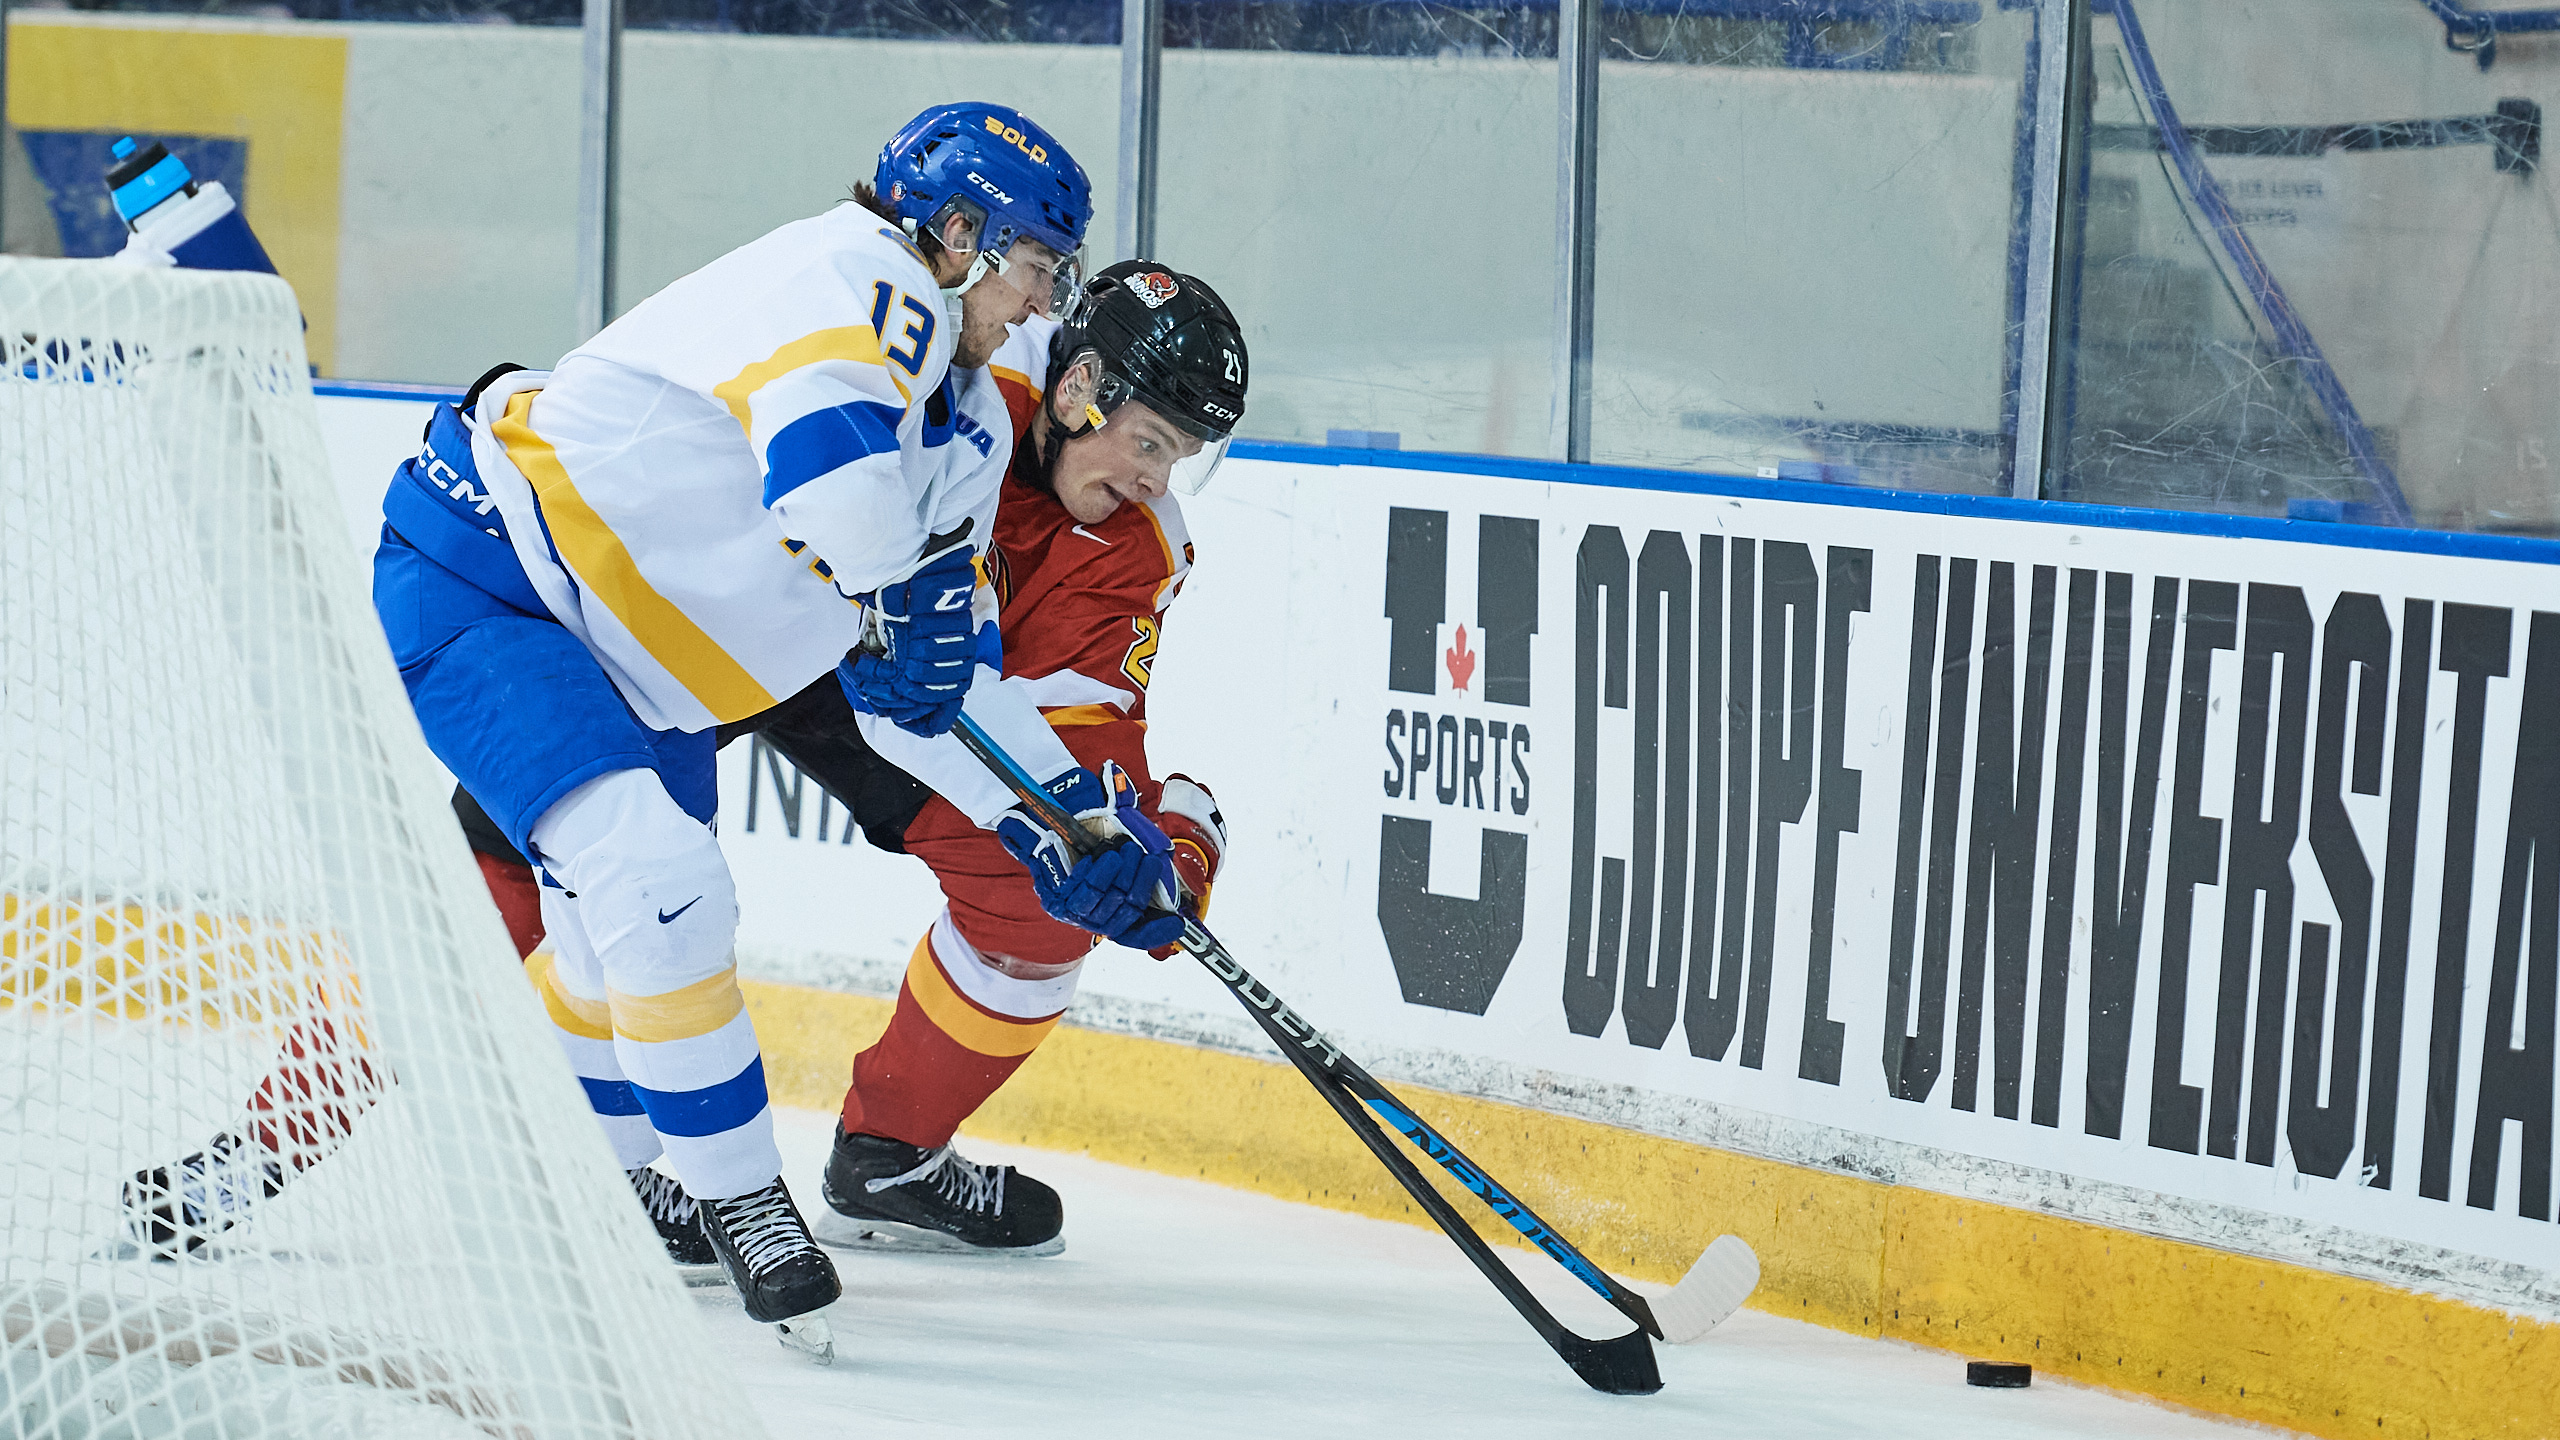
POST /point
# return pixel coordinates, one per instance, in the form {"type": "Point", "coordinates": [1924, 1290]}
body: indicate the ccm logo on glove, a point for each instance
{"type": "Point", "coordinates": [1127, 892]}
{"type": "Point", "coordinates": [924, 646]}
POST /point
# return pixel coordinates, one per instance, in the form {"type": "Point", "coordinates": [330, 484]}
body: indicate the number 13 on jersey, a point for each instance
{"type": "Point", "coordinates": [889, 306]}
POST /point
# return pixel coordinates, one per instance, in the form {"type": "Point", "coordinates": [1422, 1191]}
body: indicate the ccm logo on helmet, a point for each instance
{"type": "Point", "coordinates": [989, 186]}
{"type": "Point", "coordinates": [1039, 153]}
{"type": "Point", "coordinates": [1218, 410]}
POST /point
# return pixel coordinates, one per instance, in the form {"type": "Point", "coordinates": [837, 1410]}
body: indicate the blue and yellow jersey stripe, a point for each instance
{"type": "Point", "coordinates": [603, 565]}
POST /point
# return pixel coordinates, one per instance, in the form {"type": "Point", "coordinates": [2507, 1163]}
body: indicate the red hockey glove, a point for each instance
{"type": "Point", "coordinates": [1189, 815]}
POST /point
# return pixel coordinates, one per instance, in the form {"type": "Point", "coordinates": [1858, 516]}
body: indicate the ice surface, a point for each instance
{"type": "Point", "coordinates": [1183, 1309]}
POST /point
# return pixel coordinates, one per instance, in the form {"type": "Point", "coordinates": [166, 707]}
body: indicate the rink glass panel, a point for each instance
{"type": "Point", "coordinates": [726, 135]}
{"type": "Point", "coordinates": [416, 183]}
{"type": "Point", "coordinates": [1372, 187]}
{"type": "Point", "coordinates": [2423, 265]}
{"type": "Point", "coordinates": [1810, 248]}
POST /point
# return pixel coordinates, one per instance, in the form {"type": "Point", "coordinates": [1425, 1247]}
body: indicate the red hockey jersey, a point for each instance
{"type": "Point", "coordinates": [1082, 608]}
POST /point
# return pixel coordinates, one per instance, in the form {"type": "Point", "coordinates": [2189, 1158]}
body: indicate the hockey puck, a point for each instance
{"type": "Point", "coordinates": [1998, 1374]}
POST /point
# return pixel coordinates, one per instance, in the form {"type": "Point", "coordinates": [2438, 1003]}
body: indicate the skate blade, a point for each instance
{"type": "Point", "coordinates": [889, 1237]}
{"type": "Point", "coordinates": [702, 1277]}
{"type": "Point", "coordinates": [810, 1335]}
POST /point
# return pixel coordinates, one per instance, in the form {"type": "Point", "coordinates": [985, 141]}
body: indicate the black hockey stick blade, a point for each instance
{"type": "Point", "coordinates": [1621, 1366]}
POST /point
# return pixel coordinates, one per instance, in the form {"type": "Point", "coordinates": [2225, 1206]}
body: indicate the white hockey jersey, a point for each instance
{"type": "Point", "coordinates": [699, 490]}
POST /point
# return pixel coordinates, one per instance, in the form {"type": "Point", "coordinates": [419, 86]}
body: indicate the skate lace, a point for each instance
{"type": "Point", "coordinates": [763, 1226]}
{"type": "Point", "coordinates": [972, 1187]}
{"type": "Point", "coordinates": [663, 1196]}
{"type": "Point", "coordinates": [218, 1185]}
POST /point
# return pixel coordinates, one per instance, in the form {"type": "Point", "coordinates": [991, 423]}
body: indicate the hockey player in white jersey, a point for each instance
{"type": "Point", "coordinates": [697, 513]}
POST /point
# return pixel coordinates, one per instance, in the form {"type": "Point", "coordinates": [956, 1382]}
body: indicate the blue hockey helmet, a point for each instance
{"type": "Point", "coordinates": [995, 164]}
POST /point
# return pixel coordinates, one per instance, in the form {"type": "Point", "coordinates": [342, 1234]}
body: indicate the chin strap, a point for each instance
{"type": "Point", "coordinates": [951, 294]}
{"type": "Point", "coordinates": [1044, 460]}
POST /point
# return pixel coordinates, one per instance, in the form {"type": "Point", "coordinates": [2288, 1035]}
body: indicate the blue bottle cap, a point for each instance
{"type": "Point", "coordinates": [121, 148]}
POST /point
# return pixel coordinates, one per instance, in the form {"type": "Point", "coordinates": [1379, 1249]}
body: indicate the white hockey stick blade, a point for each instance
{"type": "Point", "coordinates": [1707, 1296]}
{"type": "Point", "coordinates": [810, 1335]}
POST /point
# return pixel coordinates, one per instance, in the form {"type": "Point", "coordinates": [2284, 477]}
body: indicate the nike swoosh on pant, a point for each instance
{"type": "Point", "coordinates": [665, 918]}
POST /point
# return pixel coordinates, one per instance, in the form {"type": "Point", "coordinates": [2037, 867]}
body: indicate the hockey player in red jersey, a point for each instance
{"type": "Point", "coordinates": [1133, 396]}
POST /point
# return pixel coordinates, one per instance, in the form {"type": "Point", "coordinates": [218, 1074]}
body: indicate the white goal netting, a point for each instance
{"type": "Point", "coordinates": [250, 982]}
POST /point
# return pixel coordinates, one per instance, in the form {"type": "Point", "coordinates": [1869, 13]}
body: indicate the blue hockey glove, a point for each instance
{"type": "Point", "coordinates": [924, 645]}
{"type": "Point", "coordinates": [1124, 893]}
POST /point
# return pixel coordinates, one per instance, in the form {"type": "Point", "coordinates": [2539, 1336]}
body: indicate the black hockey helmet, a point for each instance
{"type": "Point", "coordinates": [1164, 338]}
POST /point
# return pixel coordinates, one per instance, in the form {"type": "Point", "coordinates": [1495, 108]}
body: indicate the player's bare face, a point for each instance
{"type": "Point", "coordinates": [1002, 298]}
{"type": "Point", "coordinates": [1130, 458]}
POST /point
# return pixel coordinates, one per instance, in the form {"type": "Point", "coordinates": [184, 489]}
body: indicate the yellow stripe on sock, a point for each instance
{"type": "Point", "coordinates": [583, 1018]}
{"type": "Point", "coordinates": [604, 565]}
{"type": "Point", "coordinates": [697, 1009]}
{"type": "Point", "coordinates": [954, 1015]}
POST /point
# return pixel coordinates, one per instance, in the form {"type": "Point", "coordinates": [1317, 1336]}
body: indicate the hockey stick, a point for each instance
{"type": "Point", "coordinates": [1715, 1285]}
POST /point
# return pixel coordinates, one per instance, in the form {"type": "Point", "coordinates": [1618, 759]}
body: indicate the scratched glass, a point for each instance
{"type": "Point", "coordinates": [1372, 187]}
{"type": "Point", "coordinates": [741, 115]}
{"type": "Point", "coordinates": [2313, 269]}
{"type": "Point", "coordinates": [1811, 251]}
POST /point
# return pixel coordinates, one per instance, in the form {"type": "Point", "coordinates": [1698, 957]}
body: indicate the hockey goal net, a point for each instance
{"type": "Point", "coordinates": [284, 1147]}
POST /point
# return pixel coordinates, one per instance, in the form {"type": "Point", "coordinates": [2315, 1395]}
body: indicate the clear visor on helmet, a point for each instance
{"type": "Point", "coordinates": [1191, 473]}
{"type": "Point", "coordinates": [1066, 286]}
{"type": "Point", "coordinates": [1055, 281]}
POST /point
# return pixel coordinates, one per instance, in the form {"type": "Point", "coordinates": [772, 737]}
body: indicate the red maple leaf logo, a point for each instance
{"type": "Point", "coordinates": [1461, 661]}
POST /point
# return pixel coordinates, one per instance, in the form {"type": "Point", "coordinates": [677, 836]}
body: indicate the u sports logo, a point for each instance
{"type": "Point", "coordinates": [1467, 749]}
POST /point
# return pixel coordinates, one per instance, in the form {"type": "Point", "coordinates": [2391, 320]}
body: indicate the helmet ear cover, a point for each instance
{"type": "Point", "coordinates": [1080, 389]}
{"type": "Point", "coordinates": [1087, 387]}
{"type": "Point", "coordinates": [938, 226]}
{"type": "Point", "coordinates": [1074, 384]}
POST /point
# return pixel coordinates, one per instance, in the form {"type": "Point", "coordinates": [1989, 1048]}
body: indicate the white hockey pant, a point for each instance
{"type": "Point", "coordinates": [642, 984]}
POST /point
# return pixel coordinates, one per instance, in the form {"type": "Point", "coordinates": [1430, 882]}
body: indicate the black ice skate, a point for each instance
{"type": "Point", "coordinates": [781, 1275]}
{"type": "Point", "coordinates": [679, 1224]}
{"type": "Point", "coordinates": [888, 1193]}
{"type": "Point", "coordinates": [172, 1210]}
